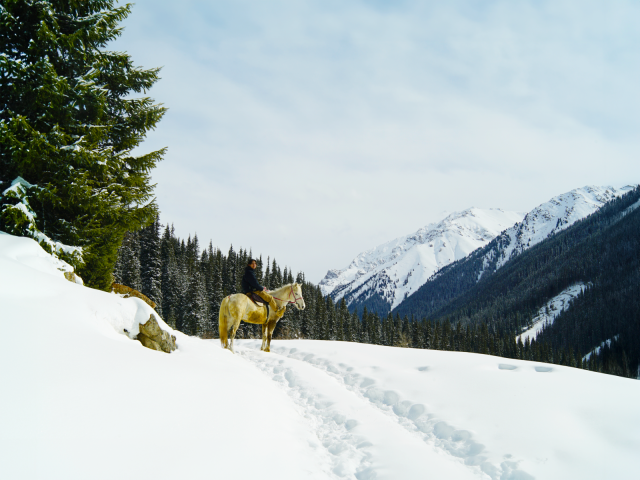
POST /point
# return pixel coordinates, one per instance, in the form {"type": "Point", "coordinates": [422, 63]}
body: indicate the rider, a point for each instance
{"type": "Point", "coordinates": [250, 284]}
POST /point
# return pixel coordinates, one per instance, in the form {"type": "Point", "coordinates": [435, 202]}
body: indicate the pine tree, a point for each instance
{"type": "Point", "coordinates": [355, 328]}
{"type": "Point", "coordinates": [330, 318]}
{"type": "Point", "coordinates": [68, 126]}
{"type": "Point", "coordinates": [215, 287]}
{"type": "Point", "coordinates": [259, 271]}
{"type": "Point", "coordinates": [151, 264]}
{"type": "Point", "coordinates": [229, 279]}
{"type": "Point", "coordinates": [241, 263]}
{"type": "Point", "coordinates": [196, 319]}
{"type": "Point", "coordinates": [343, 330]}
{"type": "Point", "coordinates": [127, 271]}
{"type": "Point", "coordinates": [276, 276]}
{"type": "Point", "coordinates": [267, 276]}
{"type": "Point", "coordinates": [171, 279]}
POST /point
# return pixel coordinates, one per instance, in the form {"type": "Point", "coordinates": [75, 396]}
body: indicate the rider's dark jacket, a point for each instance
{"type": "Point", "coordinates": [249, 281]}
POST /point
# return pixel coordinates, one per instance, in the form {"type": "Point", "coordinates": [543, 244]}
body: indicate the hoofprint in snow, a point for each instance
{"type": "Point", "coordinates": [398, 268]}
{"type": "Point", "coordinates": [547, 314]}
{"type": "Point", "coordinates": [81, 399]}
{"type": "Point", "coordinates": [385, 412]}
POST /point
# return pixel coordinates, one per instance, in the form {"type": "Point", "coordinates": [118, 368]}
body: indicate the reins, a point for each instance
{"type": "Point", "coordinates": [291, 293]}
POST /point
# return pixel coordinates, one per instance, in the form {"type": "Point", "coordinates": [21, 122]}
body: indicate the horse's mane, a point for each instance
{"type": "Point", "coordinates": [288, 285]}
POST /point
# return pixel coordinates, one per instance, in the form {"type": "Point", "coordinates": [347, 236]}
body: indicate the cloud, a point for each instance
{"type": "Point", "coordinates": [311, 131]}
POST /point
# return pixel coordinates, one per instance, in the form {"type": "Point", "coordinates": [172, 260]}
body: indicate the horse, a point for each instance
{"type": "Point", "coordinates": [238, 307]}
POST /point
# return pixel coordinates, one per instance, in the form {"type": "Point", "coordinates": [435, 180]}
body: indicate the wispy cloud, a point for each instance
{"type": "Point", "coordinates": [313, 130]}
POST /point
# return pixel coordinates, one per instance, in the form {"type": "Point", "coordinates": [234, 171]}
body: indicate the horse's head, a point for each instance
{"type": "Point", "coordinates": [296, 288]}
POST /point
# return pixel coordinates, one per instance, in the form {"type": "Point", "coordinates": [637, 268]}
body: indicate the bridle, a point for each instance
{"type": "Point", "coordinates": [291, 293]}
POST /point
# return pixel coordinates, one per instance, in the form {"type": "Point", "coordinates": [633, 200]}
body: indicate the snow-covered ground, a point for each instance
{"type": "Point", "coordinates": [554, 307]}
{"type": "Point", "coordinates": [82, 400]}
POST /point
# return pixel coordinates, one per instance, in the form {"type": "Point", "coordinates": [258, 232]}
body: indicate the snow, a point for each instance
{"type": "Point", "coordinates": [18, 190]}
{"type": "Point", "coordinates": [81, 399]}
{"type": "Point", "coordinates": [550, 311]}
{"type": "Point", "coordinates": [601, 346]}
{"type": "Point", "coordinates": [556, 215]}
{"type": "Point", "coordinates": [398, 268]}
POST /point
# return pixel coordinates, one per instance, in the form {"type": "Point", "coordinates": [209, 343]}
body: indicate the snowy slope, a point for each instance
{"type": "Point", "coordinates": [398, 268]}
{"type": "Point", "coordinates": [554, 307]}
{"type": "Point", "coordinates": [82, 400]}
{"type": "Point", "coordinates": [553, 216]}
{"type": "Point", "coordinates": [396, 412]}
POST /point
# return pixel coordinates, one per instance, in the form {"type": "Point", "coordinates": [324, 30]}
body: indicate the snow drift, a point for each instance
{"type": "Point", "coordinates": [81, 399]}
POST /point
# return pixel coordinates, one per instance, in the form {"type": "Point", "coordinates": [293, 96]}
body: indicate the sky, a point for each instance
{"type": "Point", "coordinates": [310, 131]}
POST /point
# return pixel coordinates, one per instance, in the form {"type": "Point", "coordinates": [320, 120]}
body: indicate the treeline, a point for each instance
{"type": "Point", "coordinates": [188, 283]}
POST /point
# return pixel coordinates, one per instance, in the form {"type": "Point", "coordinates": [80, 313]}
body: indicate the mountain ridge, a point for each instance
{"type": "Point", "coordinates": [382, 278]}
{"type": "Point", "coordinates": [394, 269]}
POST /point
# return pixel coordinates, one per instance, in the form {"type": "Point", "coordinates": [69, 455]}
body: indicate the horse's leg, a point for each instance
{"type": "Point", "coordinates": [264, 336]}
{"type": "Point", "coordinates": [236, 324]}
{"type": "Point", "coordinates": [223, 326]}
{"type": "Point", "coordinates": [270, 328]}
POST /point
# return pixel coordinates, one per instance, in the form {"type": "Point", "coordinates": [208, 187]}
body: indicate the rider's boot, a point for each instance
{"type": "Point", "coordinates": [272, 303]}
{"type": "Point", "coordinates": [278, 311]}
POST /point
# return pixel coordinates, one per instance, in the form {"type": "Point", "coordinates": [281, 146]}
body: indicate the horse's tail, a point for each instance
{"type": "Point", "coordinates": [223, 324]}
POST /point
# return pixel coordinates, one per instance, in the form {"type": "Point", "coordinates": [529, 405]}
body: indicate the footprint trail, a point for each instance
{"type": "Point", "coordinates": [370, 432]}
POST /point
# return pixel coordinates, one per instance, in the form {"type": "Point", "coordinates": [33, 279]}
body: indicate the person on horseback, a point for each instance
{"type": "Point", "coordinates": [250, 285]}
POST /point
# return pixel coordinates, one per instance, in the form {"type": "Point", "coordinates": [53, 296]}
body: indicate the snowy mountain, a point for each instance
{"type": "Point", "coordinates": [383, 277]}
{"type": "Point", "coordinates": [82, 399]}
{"type": "Point", "coordinates": [397, 268]}
{"type": "Point", "coordinates": [553, 216]}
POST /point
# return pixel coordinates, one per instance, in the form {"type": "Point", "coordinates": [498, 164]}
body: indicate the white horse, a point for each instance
{"type": "Point", "coordinates": [238, 307]}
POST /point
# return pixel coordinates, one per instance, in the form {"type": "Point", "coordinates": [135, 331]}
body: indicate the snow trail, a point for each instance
{"type": "Point", "coordinates": [371, 432]}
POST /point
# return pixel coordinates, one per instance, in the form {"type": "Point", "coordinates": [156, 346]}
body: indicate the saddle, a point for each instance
{"type": "Point", "coordinates": [259, 301]}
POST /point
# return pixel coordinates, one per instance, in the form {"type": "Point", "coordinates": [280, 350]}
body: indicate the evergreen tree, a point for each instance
{"type": "Point", "coordinates": [267, 276]}
{"type": "Point", "coordinates": [151, 264]}
{"type": "Point", "coordinates": [343, 325]}
{"type": "Point", "coordinates": [259, 270]}
{"type": "Point", "coordinates": [196, 319]}
{"type": "Point", "coordinates": [276, 276]}
{"type": "Point", "coordinates": [229, 279]}
{"type": "Point", "coordinates": [127, 268]}
{"type": "Point", "coordinates": [68, 126]}
{"type": "Point", "coordinates": [171, 279]}
{"type": "Point", "coordinates": [215, 287]}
